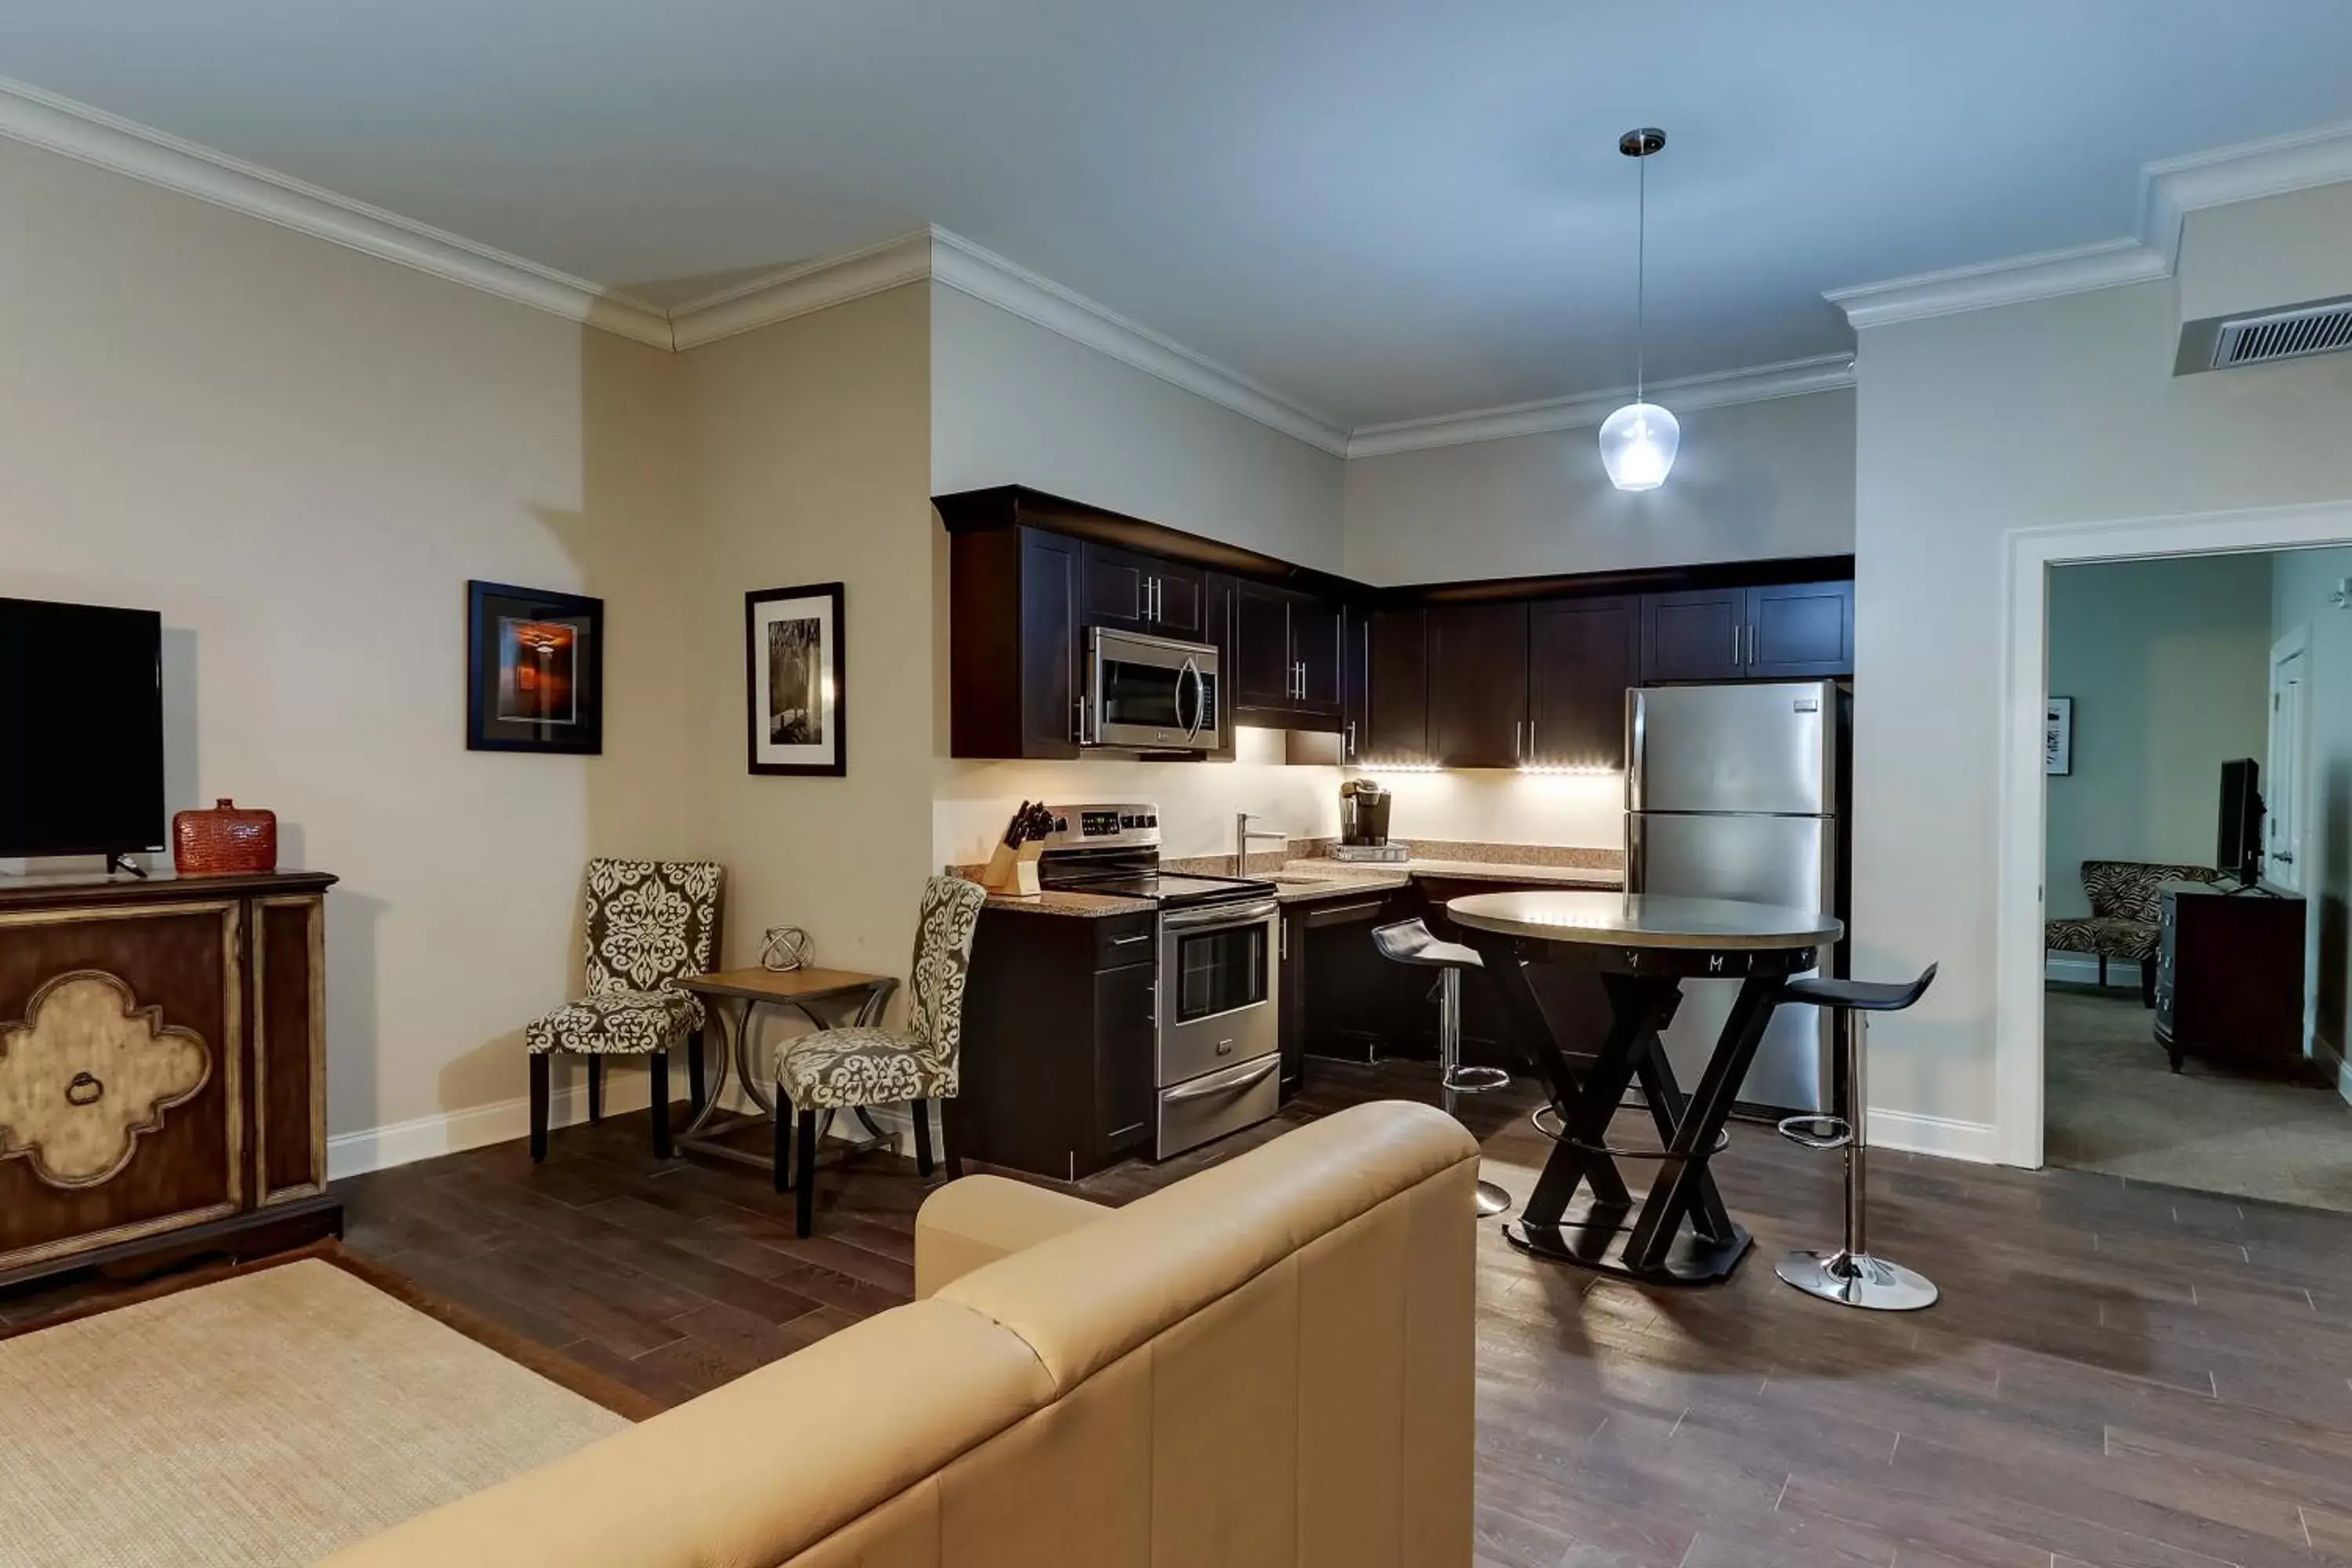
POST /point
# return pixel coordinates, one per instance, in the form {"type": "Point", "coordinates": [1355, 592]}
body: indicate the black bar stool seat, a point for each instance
{"type": "Point", "coordinates": [1851, 1276]}
{"type": "Point", "coordinates": [1412, 941]}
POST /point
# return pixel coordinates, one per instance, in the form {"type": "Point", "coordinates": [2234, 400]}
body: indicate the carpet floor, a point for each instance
{"type": "Point", "coordinates": [2113, 1104]}
{"type": "Point", "coordinates": [269, 1417]}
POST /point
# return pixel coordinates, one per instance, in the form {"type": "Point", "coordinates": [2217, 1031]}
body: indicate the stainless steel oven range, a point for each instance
{"type": "Point", "coordinates": [1217, 1043]}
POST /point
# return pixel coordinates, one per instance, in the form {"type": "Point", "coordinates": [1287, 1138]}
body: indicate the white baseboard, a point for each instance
{"type": "Point", "coordinates": [2083, 969]}
{"type": "Point", "coordinates": [504, 1120]}
{"type": "Point", "coordinates": [1977, 1141]}
{"type": "Point", "coordinates": [2331, 1062]}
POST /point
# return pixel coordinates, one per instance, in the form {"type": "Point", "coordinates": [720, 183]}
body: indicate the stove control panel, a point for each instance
{"type": "Point", "coordinates": [1116, 825]}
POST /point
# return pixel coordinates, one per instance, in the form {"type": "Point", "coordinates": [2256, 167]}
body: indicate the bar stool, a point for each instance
{"type": "Point", "coordinates": [1850, 1277]}
{"type": "Point", "coordinates": [1410, 941]}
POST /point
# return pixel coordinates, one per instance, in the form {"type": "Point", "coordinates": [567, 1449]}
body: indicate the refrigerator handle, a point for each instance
{"type": "Point", "coordinates": [1633, 737]}
{"type": "Point", "coordinates": [1637, 841]}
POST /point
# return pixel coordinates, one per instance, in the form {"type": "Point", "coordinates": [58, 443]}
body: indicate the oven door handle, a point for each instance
{"type": "Point", "coordinates": [1203, 1092]}
{"type": "Point", "coordinates": [1220, 915]}
{"type": "Point", "coordinates": [1200, 704]}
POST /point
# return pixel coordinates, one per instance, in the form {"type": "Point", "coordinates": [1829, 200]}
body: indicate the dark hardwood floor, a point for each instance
{"type": "Point", "coordinates": [2118, 1374]}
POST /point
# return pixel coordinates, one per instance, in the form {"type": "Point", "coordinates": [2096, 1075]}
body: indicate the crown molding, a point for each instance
{"type": "Point", "coordinates": [45, 120]}
{"type": "Point", "coordinates": [986, 276]}
{"type": "Point", "coordinates": [1790, 378]}
{"type": "Point", "coordinates": [798, 290]}
{"type": "Point", "coordinates": [2170, 189]}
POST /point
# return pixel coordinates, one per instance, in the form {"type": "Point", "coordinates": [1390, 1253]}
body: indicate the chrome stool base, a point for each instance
{"type": "Point", "coordinates": [1461, 1079]}
{"type": "Point", "coordinates": [1492, 1200]}
{"type": "Point", "coordinates": [1857, 1281]}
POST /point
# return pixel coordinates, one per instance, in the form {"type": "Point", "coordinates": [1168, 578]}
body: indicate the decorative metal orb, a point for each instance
{"type": "Point", "coordinates": [785, 948]}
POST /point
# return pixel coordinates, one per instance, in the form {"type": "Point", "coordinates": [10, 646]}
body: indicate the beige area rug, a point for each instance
{"type": "Point", "coordinates": [267, 1417]}
{"type": "Point", "coordinates": [2113, 1104]}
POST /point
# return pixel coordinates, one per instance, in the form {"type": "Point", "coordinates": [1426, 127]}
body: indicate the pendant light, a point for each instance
{"type": "Point", "coordinates": [1639, 441]}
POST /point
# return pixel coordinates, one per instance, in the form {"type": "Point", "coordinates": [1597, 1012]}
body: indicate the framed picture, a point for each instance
{"type": "Point", "coordinates": [2058, 736]}
{"type": "Point", "coordinates": [534, 670]}
{"type": "Point", "coordinates": [792, 681]}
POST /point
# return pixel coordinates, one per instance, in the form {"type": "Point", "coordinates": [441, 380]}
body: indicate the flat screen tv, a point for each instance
{"type": "Point", "coordinates": [2239, 851]}
{"type": "Point", "coordinates": [81, 727]}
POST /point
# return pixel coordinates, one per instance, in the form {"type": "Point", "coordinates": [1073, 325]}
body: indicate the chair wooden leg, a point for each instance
{"type": "Point", "coordinates": [694, 1070]}
{"type": "Point", "coordinates": [539, 1094]}
{"type": "Point", "coordinates": [804, 1200]}
{"type": "Point", "coordinates": [783, 1120]}
{"type": "Point", "coordinates": [922, 1109]}
{"type": "Point", "coordinates": [663, 1148]}
{"type": "Point", "coordinates": [595, 1088]}
{"type": "Point", "coordinates": [949, 1144]}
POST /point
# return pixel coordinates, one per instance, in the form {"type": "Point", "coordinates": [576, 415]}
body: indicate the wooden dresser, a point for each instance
{"type": "Point", "coordinates": [2229, 977]}
{"type": "Point", "coordinates": [163, 1070]}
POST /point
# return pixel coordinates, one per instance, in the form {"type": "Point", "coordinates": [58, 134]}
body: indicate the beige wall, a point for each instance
{"type": "Point", "coordinates": [299, 456]}
{"type": "Point", "coordinates": [2055, 412]}
{"type": "Point", "coordinates": [1753, 480]}
{"type": "Point", "coordinates": [807, 448]}
{"type": "Point", "coordinates": [1012, 403]}
{"type": "Point", "coordinates": [2168, 664]}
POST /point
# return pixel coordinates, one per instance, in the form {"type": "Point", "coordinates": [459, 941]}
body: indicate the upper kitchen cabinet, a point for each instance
{"type": "Point", "coordinates": [1778, 631]}
{"type": "Point", "coordinates": [1014, 644]}
{"type": "Point", "coordinates": [1478, 685]}
{"type": "Point", "coordinates": [1388, 687]}
{"type": "Point", "coordinates": [1582, 655]}
{"type": "Point", "coordinates": [1800, 630]}
{"type": "Point", "coordinates": [1288, 668]}
{"type": "Point", "coordinates": [1139, 593]}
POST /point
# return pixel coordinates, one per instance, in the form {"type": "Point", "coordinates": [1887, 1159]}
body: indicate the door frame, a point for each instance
{"type": "Point", "coordinates": [2029, 555]}
{"type": "Point", "coordinates": [2295, 644]}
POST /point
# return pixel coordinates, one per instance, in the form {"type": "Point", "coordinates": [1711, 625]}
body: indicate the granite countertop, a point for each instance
{"type": "Point", "coordinates": [1308, 881]}
{"type": "Point", "coordinates": [1316, 879]}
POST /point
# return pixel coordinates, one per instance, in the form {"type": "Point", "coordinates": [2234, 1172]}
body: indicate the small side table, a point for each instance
{"type": "Point", "coordinates": [749, 990]}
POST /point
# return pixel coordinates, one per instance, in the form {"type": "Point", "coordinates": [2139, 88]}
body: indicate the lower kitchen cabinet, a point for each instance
{"type": "Point", "coordinates": [1058, 1042]}
{"type": "Point", "coordinates": [1572, 1000]}
{"type": "Point", "coordinates": [1340, 998]}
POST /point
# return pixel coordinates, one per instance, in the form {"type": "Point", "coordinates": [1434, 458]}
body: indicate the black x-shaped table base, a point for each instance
{"type": "Point", "coordinates": [1678, 1232]}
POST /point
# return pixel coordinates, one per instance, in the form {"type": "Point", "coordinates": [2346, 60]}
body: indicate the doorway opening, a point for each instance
{"type": "Point", "coordinates": [2197, 862]}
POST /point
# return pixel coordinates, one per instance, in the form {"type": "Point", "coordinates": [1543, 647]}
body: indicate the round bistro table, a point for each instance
{"type": "Point", "coordinates": [1642, 948]}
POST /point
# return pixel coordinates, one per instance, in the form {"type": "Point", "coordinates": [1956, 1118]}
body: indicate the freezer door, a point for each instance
{"type": "Point", "coordinates": [1787, 860]}
{"type": "Point", "coordinates": [1769, 748]}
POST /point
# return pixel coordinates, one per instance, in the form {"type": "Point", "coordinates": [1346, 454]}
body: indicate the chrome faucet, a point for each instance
{"type": "Point", "coordinates": [1243, 833]}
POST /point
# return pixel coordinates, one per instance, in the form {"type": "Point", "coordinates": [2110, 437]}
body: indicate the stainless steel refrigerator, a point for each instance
{"type": "Point", "coordinates": [1737, 791]}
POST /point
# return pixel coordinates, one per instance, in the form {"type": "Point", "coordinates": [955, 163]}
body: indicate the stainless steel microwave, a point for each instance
{"type": "Point", "coordinates": [1151, 693]}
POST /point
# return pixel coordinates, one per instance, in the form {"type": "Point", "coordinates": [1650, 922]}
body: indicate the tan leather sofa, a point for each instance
{"type": "Point", "coordinates": [1269, 1363]}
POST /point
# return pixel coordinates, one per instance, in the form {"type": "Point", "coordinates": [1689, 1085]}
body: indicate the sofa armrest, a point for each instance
{"type": "Point", "coordinates": [974, 1222]}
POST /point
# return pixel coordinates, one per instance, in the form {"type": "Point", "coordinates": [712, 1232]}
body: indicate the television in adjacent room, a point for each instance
{"type": "Point", "coordinates": [81, 726]}
{"type": "Point", "coordinates": [2239, 852]}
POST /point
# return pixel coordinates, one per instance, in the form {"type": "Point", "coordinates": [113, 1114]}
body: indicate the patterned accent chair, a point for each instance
{"type": "Point", "coordinates": [651, 923]}
{"type": "Point", "coordinates": [851, 1068]}
{"type": "Point", "coordinates": [2125, 908]}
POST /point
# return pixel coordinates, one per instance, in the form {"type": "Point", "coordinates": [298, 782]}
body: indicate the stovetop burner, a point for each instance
{"type": "Point", "coordinates": [1172, 889]}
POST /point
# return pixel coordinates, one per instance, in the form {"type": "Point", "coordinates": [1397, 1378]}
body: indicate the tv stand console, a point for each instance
{"type": "Point", "coordinates": [162, 1070]}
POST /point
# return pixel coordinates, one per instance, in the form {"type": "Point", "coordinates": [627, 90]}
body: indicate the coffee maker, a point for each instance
{"type": "Point", "coordinates": [1364, 822]}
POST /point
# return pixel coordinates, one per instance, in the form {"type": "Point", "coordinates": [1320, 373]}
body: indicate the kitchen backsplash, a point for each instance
{"type": "Point", "coordinates": [1539, 812]}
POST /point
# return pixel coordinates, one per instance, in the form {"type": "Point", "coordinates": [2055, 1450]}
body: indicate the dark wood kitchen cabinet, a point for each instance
{"type": "Point", "coordinates": [1138, 593]}
{"type": "Point", "coordinates": [1288, 669]}
{"type": "Point", "coordinates": [1783, 631]}
{"type": "Point", "coordinates": [1014, 619]}
{"type": "Point", "coordinates": [1388, 687]}
{"type": "Point", "coordinates": [1478, 685]}
{"type": "Point", "coordinates": [1058, 1042]}
{"type": "Point", "coordinates": [1340, 998]}
{"type": "Point", "coordinates": [1582, 655]}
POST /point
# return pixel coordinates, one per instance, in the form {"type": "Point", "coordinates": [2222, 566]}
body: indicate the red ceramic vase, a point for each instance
{"type": "Point", "coordinates": [225, 841]}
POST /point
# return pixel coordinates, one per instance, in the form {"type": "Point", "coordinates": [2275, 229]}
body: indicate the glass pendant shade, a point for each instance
{"type": "Point", "coordinates": [1638, 445]}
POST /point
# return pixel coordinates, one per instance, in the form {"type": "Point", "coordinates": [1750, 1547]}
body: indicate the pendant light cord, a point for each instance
{"type": "Point", "coordinates": [1640, 265]}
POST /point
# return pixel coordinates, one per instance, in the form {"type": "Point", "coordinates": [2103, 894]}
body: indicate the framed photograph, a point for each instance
{"type": "Point", "coordinates": [2058, 736]}
{"type": "Point", "coordinates": [792, 681]}
{"type": "Point", "coordinates": [534, 670]}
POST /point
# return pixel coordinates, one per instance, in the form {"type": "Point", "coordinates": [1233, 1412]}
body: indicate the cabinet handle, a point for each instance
{"type": "Point", "coordinates": [1519, 745]}
{"type": "Point", "coordinates": [1152, 1002]}
{"type": "Point", "coordinates": [1130, 941]}
{"type": "Point", "coordinates": [1734, 644]}
{"type": "Point", "coordinates": [1351, 737]}
{"type": "Point", "coordinates": [1531, 738]}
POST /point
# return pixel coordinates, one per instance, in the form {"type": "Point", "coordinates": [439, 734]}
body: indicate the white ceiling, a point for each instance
{"type": "Point", "coordinates": [1381, 208]}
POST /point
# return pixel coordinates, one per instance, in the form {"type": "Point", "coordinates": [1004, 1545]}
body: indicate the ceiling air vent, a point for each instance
{"type": "Point", "coordinates": [2283, 334]}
